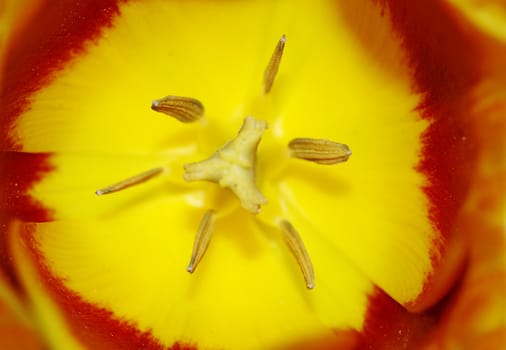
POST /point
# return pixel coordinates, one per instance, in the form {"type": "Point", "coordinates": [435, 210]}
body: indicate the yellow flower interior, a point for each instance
{"type": "Point", "coordinates": [364, 222]}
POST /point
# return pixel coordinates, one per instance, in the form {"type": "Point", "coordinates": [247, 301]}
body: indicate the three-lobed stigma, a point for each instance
{"type": "Point", "coordinates": [233, 165]}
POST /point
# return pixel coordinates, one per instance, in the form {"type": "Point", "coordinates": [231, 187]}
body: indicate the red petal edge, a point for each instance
{"type": "Point", "coordinates": [445, 62]}
{"type": "Point", "coordinates": [96, 327]}
{"type": "Point", "coordinates": [18, 173]}
{"type": "Point", "coordinates": [57, 33]}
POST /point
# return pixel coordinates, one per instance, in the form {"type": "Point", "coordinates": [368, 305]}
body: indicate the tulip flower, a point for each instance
{"type": "Point", "coordinates": [252, 174]}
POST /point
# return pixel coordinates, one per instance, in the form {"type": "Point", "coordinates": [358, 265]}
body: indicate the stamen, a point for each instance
{"type": "Point", "coordinates": [233, 165]}
{"type": "Point", "coordinates": [131, 181]}
{"type": "Point", "coordinates": [299, 251]}
{"type": "Point", "coordinates": [184, 109]}
{"type": "Point", "coordinates": [319, 150]}
{"type": "Point", "coordinates": [272, 68]}
{"type": "Point", "coordinates": [202, 240]}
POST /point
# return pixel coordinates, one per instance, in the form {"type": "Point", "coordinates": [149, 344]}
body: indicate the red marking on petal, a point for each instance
{"type": "Point", "coordinates": [96, 327]}
{"type": "Point", "coordinates": [388, 325]}
{"type": "Point", "coordinates": [445, 63]}
{"type": "Point", "coordinates": [347, 339]}
{"type": "Point", "coordinates": [18, 173]}
{"type": "Point", "coordinates": [57, 33]}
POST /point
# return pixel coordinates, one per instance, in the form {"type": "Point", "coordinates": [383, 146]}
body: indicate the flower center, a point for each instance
{"type": "Point", "coordinates": [233, 166]}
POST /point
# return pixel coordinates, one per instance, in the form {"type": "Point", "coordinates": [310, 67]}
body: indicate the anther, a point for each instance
{"type": "Point", "coordinates": [272, 68]}
{"type": "Point", "coordinates": [184, 109]}
{"type": "Point", "coordinates": [319, 150]}
{"type": "Point", "coordinates": [299, 251]}
{"type": "Point", "coordinates": [131, 181]}
{"type": "Point", "coordinates": [233, 165]}
{"type": "Point", "coordinates": [201, 240]}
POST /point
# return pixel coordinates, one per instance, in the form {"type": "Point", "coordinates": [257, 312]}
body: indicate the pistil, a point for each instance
{"type": "Point", "coordinates": [233, 165]}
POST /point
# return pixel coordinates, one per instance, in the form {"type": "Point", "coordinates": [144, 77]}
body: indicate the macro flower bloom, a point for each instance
{"type": "Point", "coordinates": [294, 241]}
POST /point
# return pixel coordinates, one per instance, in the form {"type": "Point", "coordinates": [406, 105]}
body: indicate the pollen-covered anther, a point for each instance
{"type": "Point", "coordinates": [131, 181]}
{"type": "Point", "coordinates": [233, 165]}
{"type": "Point", "coordinates": [202, 240]}
{"type": "Point", "coordinates": [184, 109]}
{"type": "Point", "coordinates": [272, 67]}
{"type": "Point", "coordinates": [294, 242]}
{"type": "Point", "coordinates": [319, 151]}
